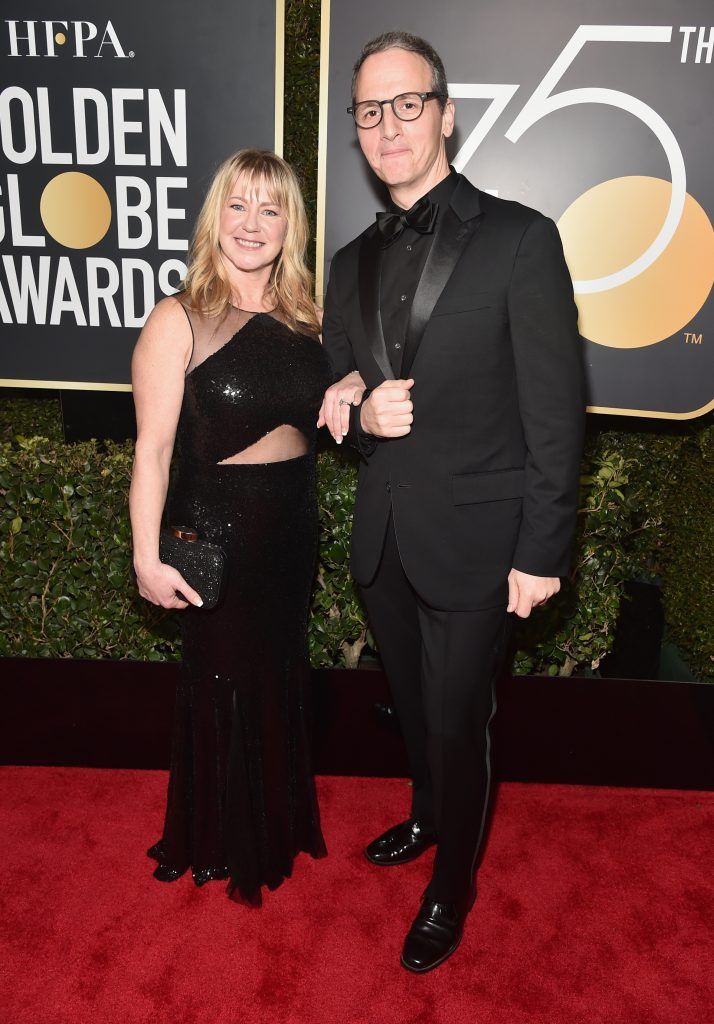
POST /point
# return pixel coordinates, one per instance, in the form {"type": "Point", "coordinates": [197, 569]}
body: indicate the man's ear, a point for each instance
{"type": "Point", "coordinates": [447, 118]}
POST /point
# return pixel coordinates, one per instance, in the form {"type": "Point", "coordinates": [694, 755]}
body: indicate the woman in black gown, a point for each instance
{"type": "Point", "coordinates": [233, 369]}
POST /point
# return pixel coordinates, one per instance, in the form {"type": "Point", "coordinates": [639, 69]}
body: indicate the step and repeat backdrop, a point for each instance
{"type": "Point", "coordinates": [112, 120]}
{"type": "Point", "coordinates": [600, 113]}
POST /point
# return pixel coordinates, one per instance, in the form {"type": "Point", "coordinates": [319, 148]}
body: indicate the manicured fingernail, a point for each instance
{"type": "Point", "coordinates": [339, 440]}
{"type": "Point", "coordinates": [344, 433]}
{"type": "Point", "coordinates": [200, 603]}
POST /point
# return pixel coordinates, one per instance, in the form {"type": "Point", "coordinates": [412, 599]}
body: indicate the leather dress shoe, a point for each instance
{"type": "Point", "coordinates": [434, 935]}
{"type": "Point", "coordinates": [400, 844]}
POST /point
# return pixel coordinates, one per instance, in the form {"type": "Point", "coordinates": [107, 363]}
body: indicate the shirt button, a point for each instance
{"type": "Point", "coordinates": [409, 248]}
{"type": "Point", "coordinates": [397, 345]}
{"type": "Point", "coordinates": [403, 298]}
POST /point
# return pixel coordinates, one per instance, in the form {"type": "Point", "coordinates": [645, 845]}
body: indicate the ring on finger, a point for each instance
{"type": "Point", "coordinates": [343, 401]}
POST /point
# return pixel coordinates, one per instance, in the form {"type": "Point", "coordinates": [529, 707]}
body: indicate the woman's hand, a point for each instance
{"type": "Point", "coordinates": [335, 408]}
{"type": "Point", "coordinates": [159, 584]}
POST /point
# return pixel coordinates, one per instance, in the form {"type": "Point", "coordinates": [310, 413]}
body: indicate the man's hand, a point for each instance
{"type": "Point", "coordinates": [526, 591]}
{"type": "Point", "coordinates": [335, 408]}
{"type": "Point", "coordinates": [388, 410]}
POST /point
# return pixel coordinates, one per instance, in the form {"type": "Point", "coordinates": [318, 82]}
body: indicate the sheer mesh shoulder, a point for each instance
{"type": "Point", "coordinates": [210, 333]}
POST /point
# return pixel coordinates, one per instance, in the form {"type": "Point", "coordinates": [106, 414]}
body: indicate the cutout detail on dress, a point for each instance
{"type": "Point", "coordinates": [278, 445]}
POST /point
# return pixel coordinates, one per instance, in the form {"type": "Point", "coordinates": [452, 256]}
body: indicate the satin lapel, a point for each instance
{"type": "Point", "coordinates": [450, 239]}
{"type": "Point", "coordinates": [369, 273]}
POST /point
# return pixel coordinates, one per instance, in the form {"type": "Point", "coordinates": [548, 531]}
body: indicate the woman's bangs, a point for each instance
{"type": "Point", "coordinates": [259, 174]}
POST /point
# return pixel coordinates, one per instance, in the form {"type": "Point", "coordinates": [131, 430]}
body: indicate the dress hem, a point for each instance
{"type": "Point", "coordinates": [247, 897]}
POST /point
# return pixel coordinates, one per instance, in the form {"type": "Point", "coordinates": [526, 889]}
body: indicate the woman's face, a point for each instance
{"type": "Point", "coordinates": [251, 228]}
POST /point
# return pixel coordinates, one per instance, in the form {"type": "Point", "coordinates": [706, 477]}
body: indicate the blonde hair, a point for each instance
{"type": "Point", "coordinates": [290, 290]}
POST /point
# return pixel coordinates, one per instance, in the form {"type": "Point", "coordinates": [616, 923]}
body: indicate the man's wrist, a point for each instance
{"type": "Point", "coordinates": [360, 438]}
{"type": "Point", "coordinates": [360, 408]}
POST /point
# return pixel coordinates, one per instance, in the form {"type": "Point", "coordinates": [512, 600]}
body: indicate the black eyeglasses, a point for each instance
{"type": "Point", "coordinates": [407, 106]}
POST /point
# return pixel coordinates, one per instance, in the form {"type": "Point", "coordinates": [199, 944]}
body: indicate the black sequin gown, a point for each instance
{"type": "Point", "coordinates": [241, 800]}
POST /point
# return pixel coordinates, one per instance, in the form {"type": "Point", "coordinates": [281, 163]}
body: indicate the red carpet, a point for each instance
{"type": "Point", "coordinates": [595, 905]}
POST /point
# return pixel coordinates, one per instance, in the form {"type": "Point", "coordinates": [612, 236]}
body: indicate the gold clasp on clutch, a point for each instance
{"type": "Point", "coordinates": [184, 533]}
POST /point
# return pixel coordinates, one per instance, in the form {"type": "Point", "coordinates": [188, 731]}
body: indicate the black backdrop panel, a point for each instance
{"type": "Point", "coordinates": [600, 113]}
{"type": "Point", "coordinates": [111, 125]}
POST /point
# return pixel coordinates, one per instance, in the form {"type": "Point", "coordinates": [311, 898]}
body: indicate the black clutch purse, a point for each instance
{"type": "Point", "coordinates": [202, 564]}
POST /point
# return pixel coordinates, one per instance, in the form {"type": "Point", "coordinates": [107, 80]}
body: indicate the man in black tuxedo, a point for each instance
{"type": "Point", "coordinates": [455, 313]}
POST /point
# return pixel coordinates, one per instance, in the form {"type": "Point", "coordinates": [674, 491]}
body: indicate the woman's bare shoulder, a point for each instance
{"type": "Point", "coordinates": [166, 337]}
{"type": "Point", "coordinates": [169, 312]}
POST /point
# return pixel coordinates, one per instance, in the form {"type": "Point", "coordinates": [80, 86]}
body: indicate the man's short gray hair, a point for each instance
{"type": "Point", "coordinates": [413, 44]}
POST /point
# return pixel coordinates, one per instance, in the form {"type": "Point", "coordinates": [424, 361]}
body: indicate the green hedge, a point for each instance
{"type": "Point", "coordinates": [29, 417]}
{"type": "Point", "coordinates": [675, 476]}
{"type": "Point", "coordinates": [66, 588]}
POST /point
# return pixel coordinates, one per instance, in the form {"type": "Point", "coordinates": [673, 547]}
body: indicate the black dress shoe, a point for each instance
{"type": "Point", "coordinates": [434, 935]}
{"type": "Point", "coordinates": [401, 843]}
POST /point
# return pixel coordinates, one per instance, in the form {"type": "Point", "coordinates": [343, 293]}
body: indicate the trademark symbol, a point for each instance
{"type": "Point", "coordinates": [692, 339]}
{"type": "Point", "coordinates": [131, 53]}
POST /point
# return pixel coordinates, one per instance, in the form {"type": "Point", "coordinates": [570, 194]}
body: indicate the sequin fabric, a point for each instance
{"type": "Point", "coordinates": [241, 800]}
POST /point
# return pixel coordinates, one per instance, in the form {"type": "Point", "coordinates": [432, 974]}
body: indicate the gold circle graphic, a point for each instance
{"type": "Point", "coordinates": [75, 210]}
{"type": "Point", "coordinates": [612, 224]}
{"type": "Point", "coordinates": [60, 38]}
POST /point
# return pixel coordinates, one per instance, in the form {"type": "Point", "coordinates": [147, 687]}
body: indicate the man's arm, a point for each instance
{"type": "Point", "coordinates": [334, 336]}
{"type": "Point", "coordinates": [551, 395]}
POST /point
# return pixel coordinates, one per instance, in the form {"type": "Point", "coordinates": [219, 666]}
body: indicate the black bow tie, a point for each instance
{"type": "Point", "coordinates": [421, 217]}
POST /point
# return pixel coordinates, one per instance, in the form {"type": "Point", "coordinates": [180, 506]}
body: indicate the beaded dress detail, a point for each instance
{"type": "Point", "coordinates": [241, 800]}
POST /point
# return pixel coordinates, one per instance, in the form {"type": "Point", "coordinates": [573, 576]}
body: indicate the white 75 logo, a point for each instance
{"type": "Point", "coordinates": [543, 102]}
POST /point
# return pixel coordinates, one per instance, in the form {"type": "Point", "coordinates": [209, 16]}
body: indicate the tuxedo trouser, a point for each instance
{"type": "Point", "coordinates": [441, 667]}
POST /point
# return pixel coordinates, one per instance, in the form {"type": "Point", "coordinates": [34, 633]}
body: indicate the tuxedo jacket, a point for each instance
{"type": "Point", "coordinates": [487, 478]}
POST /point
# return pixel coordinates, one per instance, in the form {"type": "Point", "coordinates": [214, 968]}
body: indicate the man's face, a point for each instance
{"type": "Point", "coordinates": [401, 153]}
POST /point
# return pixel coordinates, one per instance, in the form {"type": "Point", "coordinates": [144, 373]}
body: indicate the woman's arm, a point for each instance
{"type": "Point", "coordinates": [158, 368]}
